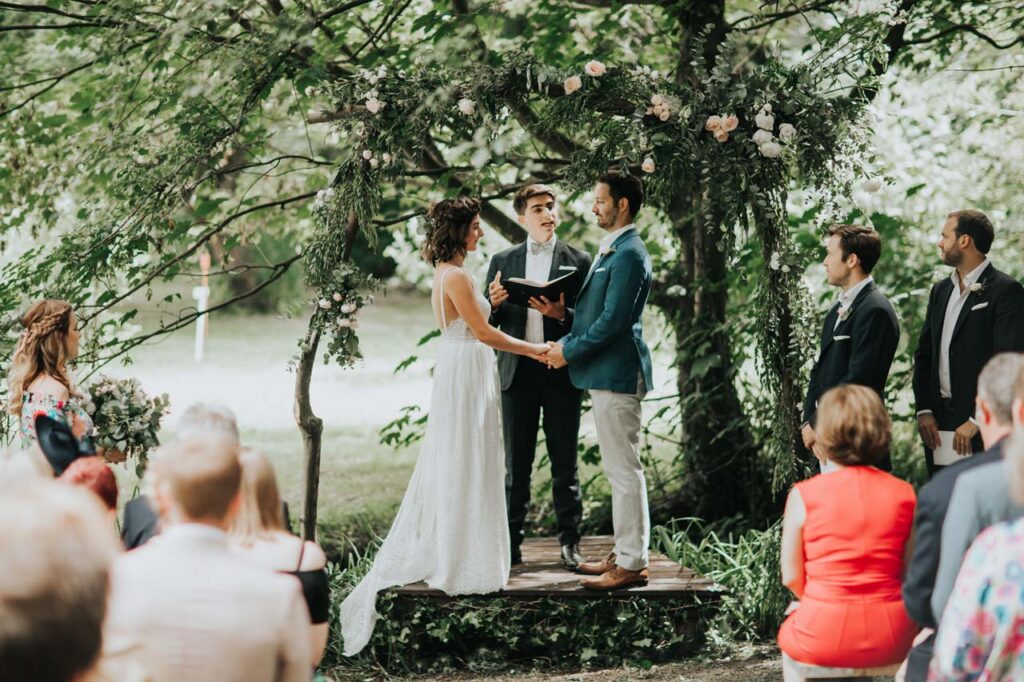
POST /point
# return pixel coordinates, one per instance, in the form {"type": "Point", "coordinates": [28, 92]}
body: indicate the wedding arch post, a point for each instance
{"type": "Point", "coordinates": [311, 426]}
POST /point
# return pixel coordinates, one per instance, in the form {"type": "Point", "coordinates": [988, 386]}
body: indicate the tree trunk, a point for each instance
{"type": "Point", "coordinates": [718, 454]}
{"type": "Point", "coordinates": [309, 424]}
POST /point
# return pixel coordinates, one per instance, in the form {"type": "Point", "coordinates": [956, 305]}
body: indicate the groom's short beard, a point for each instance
{"type": "Point", "coordinates": [953, 258]}
{"type": "Point", "coordinates": [612, 217]}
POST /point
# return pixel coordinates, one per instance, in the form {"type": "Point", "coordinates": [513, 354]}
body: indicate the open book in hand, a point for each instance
{"type": "Point", "coordinates": [521, 290]}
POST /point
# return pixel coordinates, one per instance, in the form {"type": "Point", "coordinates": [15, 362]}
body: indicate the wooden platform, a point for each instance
{"type": "Point", "coordinates": [541, 575]}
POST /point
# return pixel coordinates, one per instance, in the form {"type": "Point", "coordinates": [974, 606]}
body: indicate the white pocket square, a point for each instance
{"type": "Point", "coordinates": [840, 338]}
{"type": "Point", "coordinates": [566, 267]}
{"type": "Point", "coordinates": [980, 306]}
{"type": "Point", "coordinates": [600, 270]}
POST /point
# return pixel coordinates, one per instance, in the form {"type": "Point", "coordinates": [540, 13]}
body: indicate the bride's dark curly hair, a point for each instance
{"type": "Point", "coordinates": [447, 228]}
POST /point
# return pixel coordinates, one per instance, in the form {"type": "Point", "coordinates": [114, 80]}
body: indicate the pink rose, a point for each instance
{"type": "Point", "coordinates": [713, 123]}
{"type": "Point", "coordinates": [648, 165]}
{"type": "Point", "coordinates": [594, 69]}
{"type": "Point", "coordinates": [729, 123]}
{"type": "Point", "coordinates": [572, 84]}
{"type": "Point", "coordinates": [721, 135]}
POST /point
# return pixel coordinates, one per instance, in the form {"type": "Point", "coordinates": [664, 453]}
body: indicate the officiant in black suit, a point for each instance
{"type": "Point", "coordinates": [973, 314]}
{"type": "Point", "coordinates": [861, 330]}
{"type": "Point", "coordinates": [528, 388]}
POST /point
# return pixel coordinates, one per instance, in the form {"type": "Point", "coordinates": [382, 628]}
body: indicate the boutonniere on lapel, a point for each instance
{"type": "Point", "coordinates": [845, 314]}
{"type": "Point", "coordinates": [977, 288]}
{"type": "Point", "coordinates": [606, 252]}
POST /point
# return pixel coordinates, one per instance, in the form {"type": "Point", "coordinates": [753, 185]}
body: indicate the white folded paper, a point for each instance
{"type": "Point", "coordinates": [945, 454]}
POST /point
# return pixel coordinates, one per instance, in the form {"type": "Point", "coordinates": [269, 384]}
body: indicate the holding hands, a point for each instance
{"type": "Point", "coordinates": [554, 357]}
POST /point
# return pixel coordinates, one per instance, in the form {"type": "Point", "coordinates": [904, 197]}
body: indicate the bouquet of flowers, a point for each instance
{"type": "Point", "coordinates": [125, 418]}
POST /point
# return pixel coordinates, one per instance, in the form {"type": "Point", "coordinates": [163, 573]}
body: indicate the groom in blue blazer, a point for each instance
{"type": "Point", "coordinates": [606, 354]}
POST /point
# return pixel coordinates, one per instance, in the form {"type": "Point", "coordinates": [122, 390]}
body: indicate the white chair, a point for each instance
{"type": "Point", "coordinates": [795, 671]}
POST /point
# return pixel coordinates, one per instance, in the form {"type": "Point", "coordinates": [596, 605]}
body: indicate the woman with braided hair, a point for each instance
{"type": "Point", "coordinates": [39, 382]}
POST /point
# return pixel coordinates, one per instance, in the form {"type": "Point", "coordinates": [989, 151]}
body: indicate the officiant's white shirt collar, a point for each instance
{"type": "Point", "coordinates": [847, 297]}
{"type": "Point", "coordinates": [609, 239]}
{"type": "Point", "coordinates": [972, 276]}
{"type": "Point", "coordinates": [530, 240]}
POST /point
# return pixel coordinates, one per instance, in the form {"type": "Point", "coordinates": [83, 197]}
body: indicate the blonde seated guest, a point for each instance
{"type": "Point", "coordinates": [55, 552]}
{"type": "Point", "coordinates": [846, 540]}
{"type": "Point", "coordinates": [981, 634]}
{"type": "Point", "coordinates": [184, 606]}
{"type": "Point", "coordinates": [258, 535]}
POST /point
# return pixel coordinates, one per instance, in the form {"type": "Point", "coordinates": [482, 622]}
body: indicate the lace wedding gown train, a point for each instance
{"type": "Point", "coordinates": [451, 530]}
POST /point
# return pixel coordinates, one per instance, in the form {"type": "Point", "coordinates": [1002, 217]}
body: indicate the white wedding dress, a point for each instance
{"type": "Point", "coordinates": [451, 530]}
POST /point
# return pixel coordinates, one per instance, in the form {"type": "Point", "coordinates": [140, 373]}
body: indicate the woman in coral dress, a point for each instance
{"type": "Point", "coordinates": [846, 542]}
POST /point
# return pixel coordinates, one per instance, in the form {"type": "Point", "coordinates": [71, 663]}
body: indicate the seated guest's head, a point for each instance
{"type": "Point", "coordinates": [203, 420]}
{"type": "Point", "coordinates": [995, 398]}
{"type": "Point", "coordinates": [259, 509]}
{"type": "Point", "coordinates": [94, 474]}
{"type": "Point", "coordinates": [853, 426]}
{"type": "Point", "coordinates": [56, 553]}
{"type": "Point", "coordinates": [18, 465]}
{"type": "Point", "coordinates": [197, 481]}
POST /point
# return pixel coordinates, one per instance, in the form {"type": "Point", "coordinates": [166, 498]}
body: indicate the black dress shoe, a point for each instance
{"type": "Point", "coordinates": [517, 557]}
{"type": "Point", "coordinates": [571, 557]}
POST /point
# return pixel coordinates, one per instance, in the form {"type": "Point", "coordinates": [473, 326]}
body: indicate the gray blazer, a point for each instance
{"type": "Point", "coordinates": [981, 498]}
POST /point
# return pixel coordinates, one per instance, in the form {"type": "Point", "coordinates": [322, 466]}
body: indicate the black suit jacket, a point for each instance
{"type": "Point", "coordinates": [857, 351]}
{"type": "Point", "coordinates": [511, 318]}
{"type": "Point", "coordinates": [932, 504]}
{"type": "Point", "coordinates": [990, 322]}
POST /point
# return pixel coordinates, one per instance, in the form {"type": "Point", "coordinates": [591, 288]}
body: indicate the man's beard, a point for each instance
{"type": "Point", "coordinates": [605, 223]}
{"type": "Point", "coordinates": [952, 258]}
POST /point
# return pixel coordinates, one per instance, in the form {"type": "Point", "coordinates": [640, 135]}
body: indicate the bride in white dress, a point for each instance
{"type": "Point", "coordinates": [451, 530]}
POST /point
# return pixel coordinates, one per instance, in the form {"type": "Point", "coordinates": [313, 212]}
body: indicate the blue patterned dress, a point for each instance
{"type": "Point", "coordinates": [981, 636]}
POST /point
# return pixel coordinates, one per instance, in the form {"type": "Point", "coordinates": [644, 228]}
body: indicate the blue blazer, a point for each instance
{"type": "Point", "coordinates": [605, 349]}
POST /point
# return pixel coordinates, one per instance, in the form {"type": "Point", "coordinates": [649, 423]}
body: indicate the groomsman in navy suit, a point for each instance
{"type": "Point", "coordinates": [528, 388]}
{"type": "Point", "coordinates": [975, 313]}
{"type": "Point", "coordinates": [861, 330]}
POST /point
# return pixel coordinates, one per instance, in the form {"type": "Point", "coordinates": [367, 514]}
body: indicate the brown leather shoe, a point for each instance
{"type": "Point", "coordinates": [597, 567]}
{"type": "Point", "coordinates": [616, 579]}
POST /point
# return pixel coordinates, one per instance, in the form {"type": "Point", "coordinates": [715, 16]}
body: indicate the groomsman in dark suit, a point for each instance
{"type": "Point", "coordinates": [861, 330]}
{"type": "Point", "coordinates": [529, 388]}
{"type": "Point", "coordinates": [974, 314]}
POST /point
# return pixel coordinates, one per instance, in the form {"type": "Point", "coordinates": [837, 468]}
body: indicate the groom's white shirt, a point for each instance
{"type": "Point", "coordinates": [538, 268]}
{"type": "Point", "coordinates": [184, 607]}
{"type": "Point", "coordinates": [609, 239]}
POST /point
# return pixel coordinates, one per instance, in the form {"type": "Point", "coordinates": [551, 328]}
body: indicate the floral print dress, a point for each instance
{"type": "Point", "coordinates": [981, 636]}
{"type": "Point", "coordinates": [70, 411]}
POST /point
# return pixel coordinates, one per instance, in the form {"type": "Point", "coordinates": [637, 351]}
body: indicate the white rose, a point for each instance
{"type": "Point", "coordinates": [873, 185]}
{"type": "Point", "coordinates": [374, 163]}
{"type": "Point", "coordinates": [324, 303]}
{"type": "Point", "coordinates": [374, 105]}
{"type": "Point", "coordinates": [648, 165]}
{"type": "Point", "coordinates": [348, 308]}
{"type": "Point", "coordinates": [770, 149]}
{"type": "Point", "coordinates": [762, 137]}
{"type": "Point", "coordinates": [658, 100]}
{"type": "Point", "coordinates": [337, 297]}
{"type": "Point", "coordinates": [595, 69]}
{"type": "Point", "coordinates": [713, 123]}
{"type": "Point", "coordinates": [344, 323]}
{"type": "Point", "coordinates": [386, 157]}
{"type": "Point", "coordinates": [367, 154]}
{"type": "Point", "coordinates": [467, 106]}
{"type": "Point", "coordinates": [767, 108]}
{"type": "Point", "coordinates": [786, 132]}
{"type": "Point", "coordinates": [664, 114]}
{"type": "Point", "coordinates": [764, 120]}
{"type": "Point", "coordinates": [572, 84]}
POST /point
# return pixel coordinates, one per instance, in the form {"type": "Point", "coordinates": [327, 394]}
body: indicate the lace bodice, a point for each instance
{"type": "Point", "coordinates": [458, 330]}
